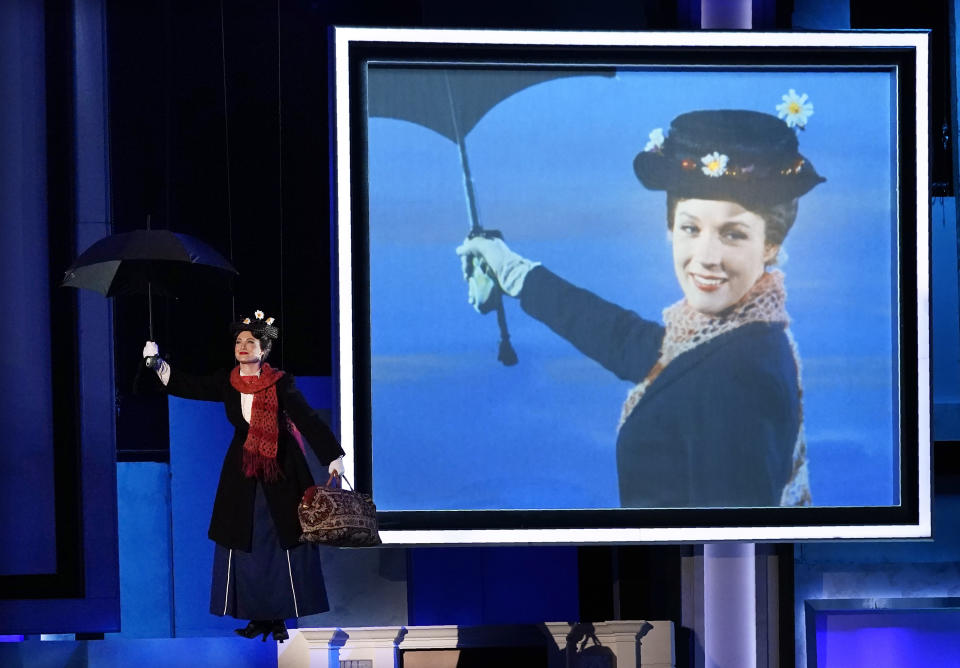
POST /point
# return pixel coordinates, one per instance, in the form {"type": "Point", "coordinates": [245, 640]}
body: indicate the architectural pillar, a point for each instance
{"type": "Point", "coordinates": [726, 14]}
{"type": "Point", "coordinates": [730, 605]}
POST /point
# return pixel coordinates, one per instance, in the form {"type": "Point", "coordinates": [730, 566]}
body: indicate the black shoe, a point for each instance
{"type": "Point", "coordinates": [254, 628]}
{"type": "Point", "coordinates": [279, 630]}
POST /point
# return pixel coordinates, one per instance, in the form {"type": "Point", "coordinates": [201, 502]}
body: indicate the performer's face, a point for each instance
{"type": "Point", "coordinates": [247, 348]}
{"type": "Point", "coordinates": [719, 252]}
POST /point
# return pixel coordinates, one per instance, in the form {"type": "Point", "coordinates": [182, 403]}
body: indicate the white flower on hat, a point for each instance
{"type": "Point", "coordinates": [656, 141]}
{"type": "Point", "coordinates": [270, 321]}
{"type": "Point", "coordinates": [714, 164]}
{"type": "Point", "coordinates": [795, 109]}
{"type": "Point", "coordinates": [246, 321]}
{"type": "Point", "coordinates": [258, 315]}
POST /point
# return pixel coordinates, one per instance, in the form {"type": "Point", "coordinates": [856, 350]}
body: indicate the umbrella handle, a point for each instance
{"type": "Point", "coordinates": [507, 355]}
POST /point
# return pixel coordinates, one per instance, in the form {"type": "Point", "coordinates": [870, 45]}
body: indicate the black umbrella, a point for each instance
{"type": "Point", "coordinates": [148, 261]}
{"type": "Point", "coordinates": [451, 101]}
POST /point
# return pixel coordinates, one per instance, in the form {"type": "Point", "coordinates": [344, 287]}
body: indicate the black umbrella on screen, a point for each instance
{"type": "Point", "coordinates": [451, 102]}
{"type": "Point", "coordinates": [148, 261]}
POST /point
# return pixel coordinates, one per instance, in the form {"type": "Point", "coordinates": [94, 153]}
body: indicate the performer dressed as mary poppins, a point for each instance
{"type": "Point", "coordinates": [715, 418]}
{"type": "Point", "coordinates": [261, 571]}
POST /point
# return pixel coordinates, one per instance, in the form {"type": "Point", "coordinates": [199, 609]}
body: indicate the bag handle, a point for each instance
{"type": "Point", "coordinates": [339, 484]}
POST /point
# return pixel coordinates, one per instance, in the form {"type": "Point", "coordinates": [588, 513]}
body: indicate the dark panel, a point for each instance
{"type": "Point", "coordinates": [83, 595]}
{"type": "Point", "coordinates": [556, 15]}
{"type": "Point", "coordinates": [596, 583]}
{"type": "Point", "coordinates": [935, 17]}
{"type": "Point", "coordinates": [493, 585]}
{"type": "Point", "coordinates": [61, 215]}
{"type": "Point", "coordinates": [785, 596]}
{"type": "Point", "coordinates": [67, 580]}
{"type": "Point", "coordinates": [772, 14]}
{"type": "Point", "coordinates": [635, 582]}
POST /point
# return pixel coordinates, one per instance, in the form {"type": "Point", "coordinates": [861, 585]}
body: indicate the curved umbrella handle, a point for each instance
{"type": "Point", "coordinates": [506, 354]}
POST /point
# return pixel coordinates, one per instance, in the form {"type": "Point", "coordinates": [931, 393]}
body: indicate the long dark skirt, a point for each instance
{"type": "Point", "coordinates": [268, 582]}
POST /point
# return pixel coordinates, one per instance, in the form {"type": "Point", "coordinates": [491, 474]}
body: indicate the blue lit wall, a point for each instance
{"type": "Point", "coordinates": [493, 585]}
{"type": "Point", "coordinates": [25, 466]}
{"type": "Point", "coordinates": [26, 455]}
{"type": "Point", "coordinates": [901, 639]}
{"type": "Point", "coordinates": [146, 583]}
{"type": "Point", "coordinates": [928, 569]}
{"type": "Point", "coordinates": [142, 653]}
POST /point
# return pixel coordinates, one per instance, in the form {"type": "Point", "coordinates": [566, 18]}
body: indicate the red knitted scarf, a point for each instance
{"type": "Point", "coordinates": [260, 448]}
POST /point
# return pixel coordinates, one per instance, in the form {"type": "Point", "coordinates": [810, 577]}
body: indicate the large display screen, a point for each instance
{"type": "Point", "coordinates": [634, 287]}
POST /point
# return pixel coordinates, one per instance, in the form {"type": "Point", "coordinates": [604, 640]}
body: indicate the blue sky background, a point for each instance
{"type": "Point", "coordinates": [552, 168]}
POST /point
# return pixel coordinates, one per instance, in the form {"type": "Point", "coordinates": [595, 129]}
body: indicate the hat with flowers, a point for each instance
{"type": "Point", "coordinates": [257, 325]}
{"type": "Point", "coordinates": [747, 157]}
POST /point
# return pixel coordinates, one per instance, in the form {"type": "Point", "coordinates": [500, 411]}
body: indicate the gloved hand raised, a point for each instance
{"type": "Point", "coordinates": [482, 256]}
{"type": "Point", "coordinates": [152, 359]}
{"type": "Point", "coordinates": [336, 467]}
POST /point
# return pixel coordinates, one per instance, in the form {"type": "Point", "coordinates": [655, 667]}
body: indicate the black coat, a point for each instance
{"type": "Point", "coordinates": [231, 524]}
{"type": "Point", "coordinates": [716, 428]}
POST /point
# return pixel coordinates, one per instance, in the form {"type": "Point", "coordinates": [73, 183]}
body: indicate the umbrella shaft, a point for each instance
{"type": "Point", "coordinates": [150, 309]}
{"type": "Point", "coordinates": [468, 190]}
{"type": "Point", "coordinates": [464, 163]}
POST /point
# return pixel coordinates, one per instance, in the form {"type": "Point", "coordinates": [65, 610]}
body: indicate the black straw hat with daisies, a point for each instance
{"type": "Point", "coordinates": [736, 155]}
{"type": "Point", "coordinates": [257, 325]}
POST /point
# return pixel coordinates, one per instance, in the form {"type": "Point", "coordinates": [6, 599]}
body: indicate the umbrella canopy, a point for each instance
{"type": "Point", "coordinates": [138, 262]}
{"type": "Point", "coordinates": [451, 101]}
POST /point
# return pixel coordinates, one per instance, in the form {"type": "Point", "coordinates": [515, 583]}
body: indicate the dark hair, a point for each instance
{"type": "Point", "coordinates": [778, 218]}
{"type": "Point", "coordinates": [266, 345]}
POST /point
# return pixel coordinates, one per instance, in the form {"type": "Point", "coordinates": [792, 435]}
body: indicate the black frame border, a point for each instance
{"type": "Point", "coordinates": [900, 59]}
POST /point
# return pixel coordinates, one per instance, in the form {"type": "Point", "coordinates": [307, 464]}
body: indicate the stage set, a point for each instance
{"type": "Point", "coordinates": [638, 322]}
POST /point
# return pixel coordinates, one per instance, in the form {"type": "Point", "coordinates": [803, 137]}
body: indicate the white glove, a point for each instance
{"type": "Point", "coordinates": [336, 467]}
{"type": "Point", "coordinates": [509, 268]}
{"type": "Point", "coordinates": [151, 349]}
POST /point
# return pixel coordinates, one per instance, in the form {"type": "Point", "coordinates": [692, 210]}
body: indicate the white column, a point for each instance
{"type": "Point", "coordinates": [729, 605]}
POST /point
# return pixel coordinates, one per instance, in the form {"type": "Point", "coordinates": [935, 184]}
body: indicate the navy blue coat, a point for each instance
{"type": "Point", "coordinates": [716, 428]}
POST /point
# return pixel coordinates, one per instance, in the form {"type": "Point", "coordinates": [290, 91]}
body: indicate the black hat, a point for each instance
{"type": "Point", "coordinates": [257, 326]}
{"type": "Point", "coordinates": [742, 156]}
